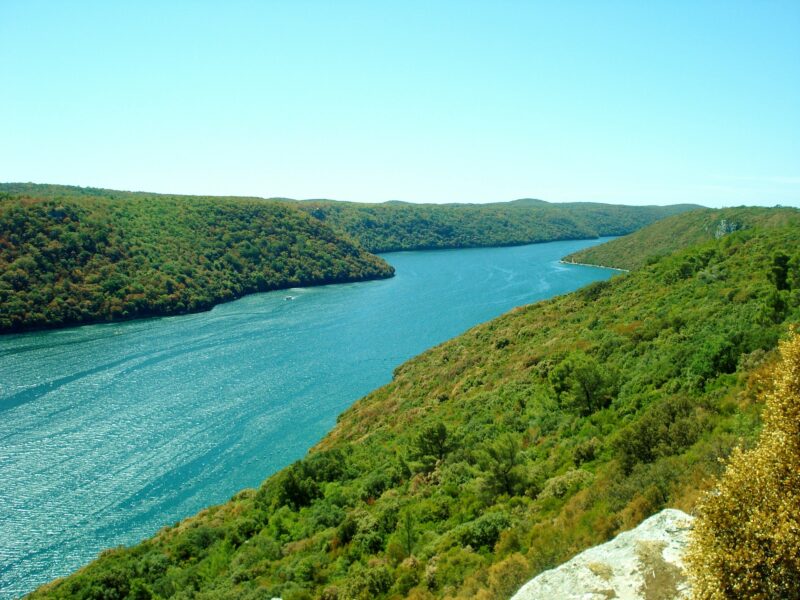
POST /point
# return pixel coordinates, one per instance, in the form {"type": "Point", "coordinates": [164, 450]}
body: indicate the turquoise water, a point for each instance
{"type": "Point", "coordinates": [109, 432]}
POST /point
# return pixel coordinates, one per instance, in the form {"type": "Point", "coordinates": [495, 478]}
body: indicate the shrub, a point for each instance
{"type": "Point", "coordinates": [586, 451]}
{"type": "Point", "coordinates": [562, 485]}
{"type": "Point", "coordinates": [295, 488]}
{"type": "Point", "coordinates": [347, 530]}
{"type": "Point", "coordinates": [594, 290]}
{"type": "Point", "coordinates": [407, 576]}
{"type": "Point", "coordinates": [367, 582]}
{"type": "Point", "coordinates": [664, 429]}
{"type": "Point", "coordinates": [195, 542]}
{"type": "Point", "coordinates": [746, 540]}
{"type": "Point", "coordinates": [483, 531]}
{"type": "Point", "coordinates": [326, 466]}
{"type": "Point", "coordinates": [507, 576]}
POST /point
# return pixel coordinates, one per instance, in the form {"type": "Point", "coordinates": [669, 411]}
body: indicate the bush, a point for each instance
{"type": "Point", "coordinates": [507, 577]}
{"type": "Point", "coordinates": [295, 488]}
{"type": "Point", "coordinates": [586, 451]}
{"type": "Point", "coordinates": [326, 466]}
{"type": "Point", "coordinates": [195, 542]}
{"type": "Point", "coordinates": [594, 290]}
{"type": "Point", "coordinates": [367, 582]}
{"type": "Point", "coordinates": [746, 539]}
{"type": "Point", "coordinates": [568, 483]}
{"type": "Point", "coordinates": [665, 429]}
{"type": "Point", "coordinates": [483, 531]}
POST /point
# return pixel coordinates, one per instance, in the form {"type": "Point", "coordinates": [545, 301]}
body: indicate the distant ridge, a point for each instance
{"type": "Point", "coordinates": [397, 225]}
{"type": "Point", "coordinates": [529, 202]}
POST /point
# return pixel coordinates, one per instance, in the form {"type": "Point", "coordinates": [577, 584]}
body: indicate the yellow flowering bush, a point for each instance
{"type": "Point", "coordinates": [746, 541]}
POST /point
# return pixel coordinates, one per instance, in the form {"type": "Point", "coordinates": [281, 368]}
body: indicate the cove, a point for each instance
{"type": "Point", "coordinates": [109, 432]}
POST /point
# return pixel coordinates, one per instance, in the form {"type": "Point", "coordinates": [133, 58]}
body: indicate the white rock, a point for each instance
{"type": "Point", "coordinates": [641, 564]}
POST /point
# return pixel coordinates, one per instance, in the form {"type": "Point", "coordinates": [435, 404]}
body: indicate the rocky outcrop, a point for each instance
{"type": "Point", "coordinates": [641, 564]}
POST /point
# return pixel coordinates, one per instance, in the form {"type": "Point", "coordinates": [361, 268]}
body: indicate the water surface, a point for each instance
{"type": "Point", "coordinates": [109, 432]}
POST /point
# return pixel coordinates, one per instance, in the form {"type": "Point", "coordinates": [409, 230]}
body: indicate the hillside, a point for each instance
{"type": "Point", "coordinates": [505, 451]}
{"type": "Point", "coordinates": [677, 232]}
{"type": "Point", "coordinates": [71, 255]}
{"type": "Point", "coordinates": [401, 226]}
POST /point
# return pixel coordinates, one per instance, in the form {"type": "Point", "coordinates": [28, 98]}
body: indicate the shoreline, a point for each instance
{"type": "Point", "coordinates": [205, 307]}
{"type": "Point", "coordinates": [570, 262]}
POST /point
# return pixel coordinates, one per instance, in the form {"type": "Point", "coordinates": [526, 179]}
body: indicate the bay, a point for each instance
{"type": "Point", "coordinates": [109, 432]}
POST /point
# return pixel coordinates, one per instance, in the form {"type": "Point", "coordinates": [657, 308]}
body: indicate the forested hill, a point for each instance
{"type": "Point", "coordinates": [74, 255]}
{"type": "Point", "coordinates": [675, 233]}
{"type": "Point", "coordinates": [401, 226]}
{"type": "Point", "coordinates": [506, 450]}
{"type": "Point", "coordinates": [71, 255]}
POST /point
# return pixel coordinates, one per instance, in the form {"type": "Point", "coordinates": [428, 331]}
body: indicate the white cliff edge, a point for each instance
{"type": "Point", "coordinates": [641, 564]}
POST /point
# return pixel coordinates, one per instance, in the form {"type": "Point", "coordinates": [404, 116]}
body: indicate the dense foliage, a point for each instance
{"type": "Point", "coordinates": [70, 256]}
{"type": "Point", "coordinates": [401, 226]}
{"type": "Point", "coordinates": [746, 539]}
{"type": "Point", "coordinates": [650, 243]}
{"type": "Point", "coordinates": [504, 451]}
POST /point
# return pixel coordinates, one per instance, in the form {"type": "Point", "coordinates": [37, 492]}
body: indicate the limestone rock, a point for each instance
{"type": "Point", "coordinates": [641, 564]}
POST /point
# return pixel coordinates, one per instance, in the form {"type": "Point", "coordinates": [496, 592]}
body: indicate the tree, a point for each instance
{"type": "Point", "coordinates": [582, 384]}
{"type": "Point", "coordinates": [746, 539]}
{"type": "Point", "coordinates": [501, 461]}
{"type": "Point", "coordinates": [296, 488]}
{"type": "Point", "coordinates": [407, 534]}
{"type": "Point", "coordinates": [432, 445]}
{"type": "Point", "coordinates": [779, 272]}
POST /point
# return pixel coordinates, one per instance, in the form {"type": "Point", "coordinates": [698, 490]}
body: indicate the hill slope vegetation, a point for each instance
{"type": "Point", "coordinates": [70, 256]}
{"type": "Point", "coordinates": [399, 226]}
{"type": "Point", "coordinates": [505, 451]}
{"type": "Point", "coordinates": [649, 244]}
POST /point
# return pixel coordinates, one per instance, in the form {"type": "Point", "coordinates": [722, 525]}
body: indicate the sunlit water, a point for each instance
{"type": "Point", "coordinates": [109, 432]}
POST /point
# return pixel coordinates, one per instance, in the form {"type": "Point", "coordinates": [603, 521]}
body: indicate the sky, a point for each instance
{"type": "Point", "coordinates": [634, 102]}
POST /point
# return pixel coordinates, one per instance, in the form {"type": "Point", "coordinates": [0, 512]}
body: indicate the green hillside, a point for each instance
{"type": "Point", "coordinates": [400, 226]}
{"type": "Point", "coordinates": [73, 255]}
{"type": "Point", "coordinates": [675, 233]}
{"type": "Point", "coordinates": [502, 452]}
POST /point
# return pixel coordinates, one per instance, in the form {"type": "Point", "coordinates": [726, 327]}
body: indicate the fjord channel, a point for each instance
{"type": "Point", "coordinates": [109, 432]}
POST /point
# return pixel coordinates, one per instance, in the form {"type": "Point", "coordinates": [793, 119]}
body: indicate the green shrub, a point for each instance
{"type": "Point", "coordinates": [666, 428]}
{"type": "Point", "coordinates": [484, 531]}
{"type": "Point", "coordinates": [366, 583]}
{"type": "Point", "coordinates": [566, 484]}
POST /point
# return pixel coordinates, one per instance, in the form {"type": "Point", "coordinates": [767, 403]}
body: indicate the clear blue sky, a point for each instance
{"type": "Point", "coordinates": [630, 102]}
